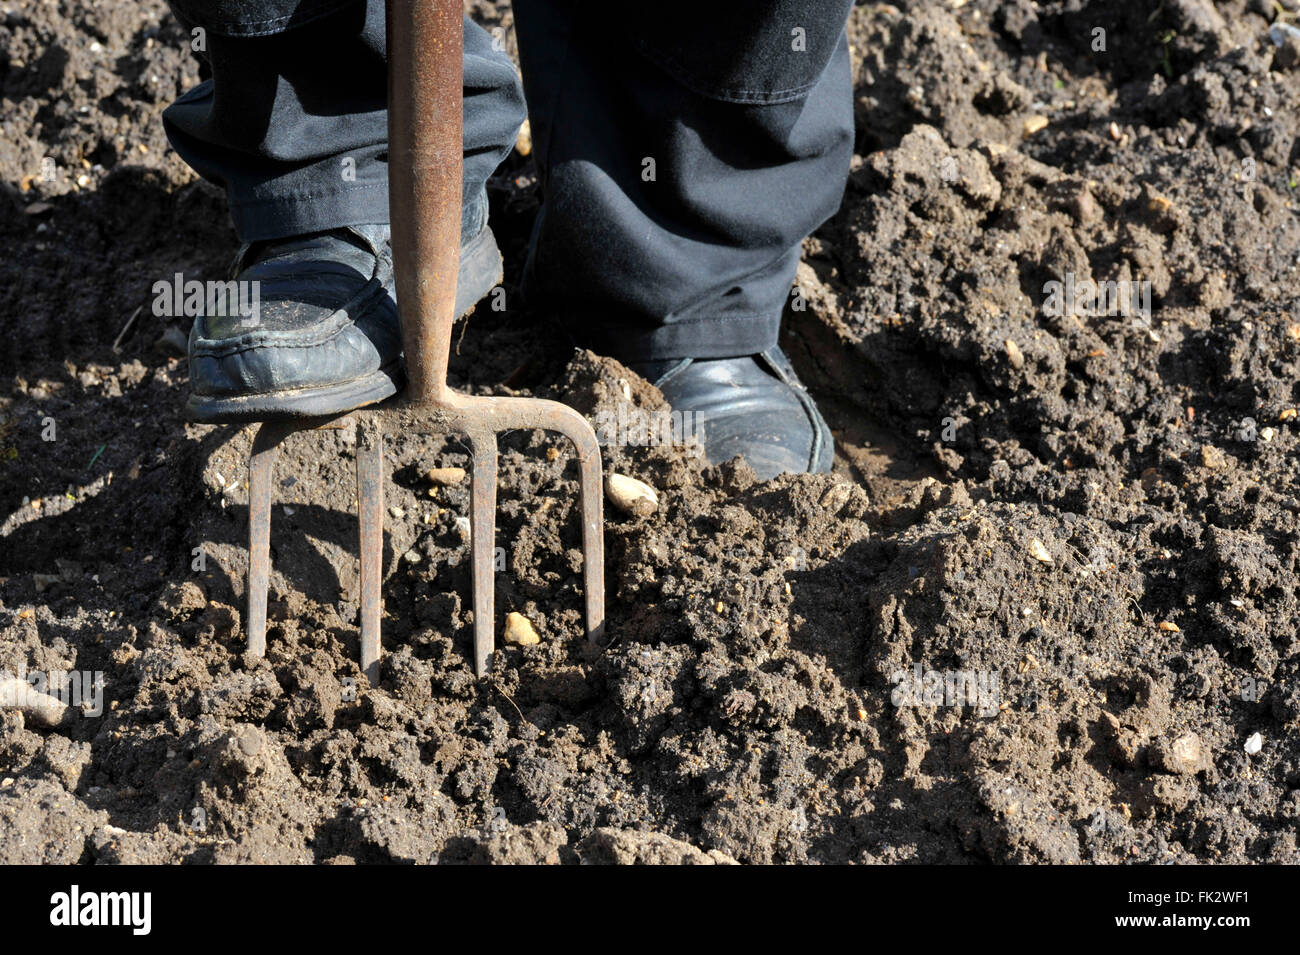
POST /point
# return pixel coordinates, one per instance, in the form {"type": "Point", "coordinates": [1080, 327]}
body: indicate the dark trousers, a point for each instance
{"type": "Point", "coordinates": [685, 149]}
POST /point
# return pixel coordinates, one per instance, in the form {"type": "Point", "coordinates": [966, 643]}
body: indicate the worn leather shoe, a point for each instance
{"type": "Point", "coordinates": [324, 337]}
{"type": "Point", "coordinates": [754, 406]}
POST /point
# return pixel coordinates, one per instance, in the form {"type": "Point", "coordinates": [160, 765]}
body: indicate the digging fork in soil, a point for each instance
{"type": "Point", "coordinates": [425, 42]}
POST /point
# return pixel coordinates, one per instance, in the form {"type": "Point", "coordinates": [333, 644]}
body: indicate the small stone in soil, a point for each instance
{"type": "Point", "coordinates": [1038, 551]}
{"type": "Point", "coordinates": [520, 630]}
{"type": "Point", "coordinates": [445, 477]}
{"type": "Point", "coordinates": [631, 496]}
{"type": "Point", "coordinates": [1212, 457]}
{"type": "Point", "coordinates": [1035, 123]}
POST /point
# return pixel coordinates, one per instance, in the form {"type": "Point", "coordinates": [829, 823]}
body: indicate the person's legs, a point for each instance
{"type": "Point", "coordinates": [293, 124]}
{"type": "Point", "coordinates": [685, 152]}
{"type": "Point", "coordinates": [686, 148]}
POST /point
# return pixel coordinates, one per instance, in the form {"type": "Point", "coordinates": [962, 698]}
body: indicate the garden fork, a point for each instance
{"type": "Point", "coordinates": [425, 42]}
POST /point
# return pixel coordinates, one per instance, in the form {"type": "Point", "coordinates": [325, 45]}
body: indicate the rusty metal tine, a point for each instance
{"type": "Point", "coordinates": [261, 470]}
{"type": "Point", "coordinates": [593, 539]}
{"type": "Point", "coordinates": [501, 414]}
{"type": "Point", "coordinates": [483, 494]}
{"type": "Point", "coordinates": [370, 515]}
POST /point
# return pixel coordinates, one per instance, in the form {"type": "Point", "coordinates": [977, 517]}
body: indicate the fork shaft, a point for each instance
{"type": "Point", "coordinates": [425, 144]}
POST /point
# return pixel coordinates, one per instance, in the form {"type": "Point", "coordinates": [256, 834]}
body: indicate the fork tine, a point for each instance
{"type": "Point", "coordinates": [483, 497]}
{"type": "Point", "coordinates": [593, 538]}
{"type": "Point", "coordinates": [573, 426]}
{"type": "Point", "coordinates": [261, 469]}
{"type": "Point", "coordinates": [517, 413]}
{"type": "Point", "coordinates": [370, 514]}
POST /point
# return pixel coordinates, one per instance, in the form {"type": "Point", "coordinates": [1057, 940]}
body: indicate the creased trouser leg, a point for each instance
{"type": "Point", "coordinates": [687, 147]}
{"type": "Point", "coordinates": [293, 122]}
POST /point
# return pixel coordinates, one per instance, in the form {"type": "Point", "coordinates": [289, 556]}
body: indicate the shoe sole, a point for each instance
{"type": "Point", "coordinates": [481, 270]}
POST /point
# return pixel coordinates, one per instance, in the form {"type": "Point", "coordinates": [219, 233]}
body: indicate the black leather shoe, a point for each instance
{"type": "Point", "coordinates": [324, 338]}
{"type": "Point", "coordinates": [755, 407]}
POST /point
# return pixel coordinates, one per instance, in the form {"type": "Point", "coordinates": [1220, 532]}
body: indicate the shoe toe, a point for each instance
{"type": "Point", "coordinates": [324, 337]}
{"type": "Point", "coordinates": [753, 407]}
{"type": "Point", "coordinates": [322, 331]}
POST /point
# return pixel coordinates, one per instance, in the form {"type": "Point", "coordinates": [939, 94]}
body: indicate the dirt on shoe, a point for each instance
{"type": "Point", "coordinates": [1045, 610]}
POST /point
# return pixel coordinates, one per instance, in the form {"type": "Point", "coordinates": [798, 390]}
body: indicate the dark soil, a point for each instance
{"type": "Point", "coordinates": [1099, 513]}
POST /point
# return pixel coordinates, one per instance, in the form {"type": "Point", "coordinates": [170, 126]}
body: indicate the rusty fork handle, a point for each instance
{"type": "Point", "coordinates": [425, 144]}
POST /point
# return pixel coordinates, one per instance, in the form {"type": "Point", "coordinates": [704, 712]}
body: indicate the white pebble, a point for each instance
{"type": "Point", "coordinates": [630, 495]}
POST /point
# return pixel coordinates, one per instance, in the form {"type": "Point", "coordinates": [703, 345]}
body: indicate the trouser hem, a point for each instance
{"type": "Point", "coordinates": [288, 215]}
{"type": "Point", "coordinates": [731, 337]}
